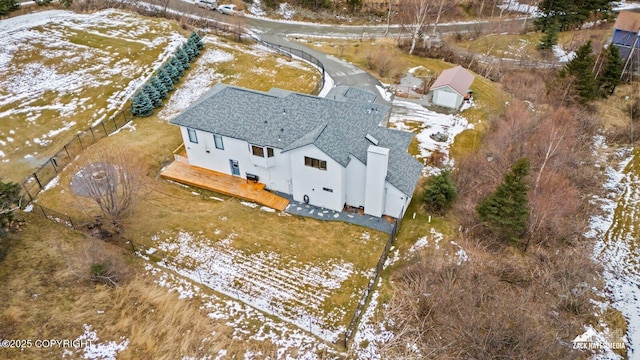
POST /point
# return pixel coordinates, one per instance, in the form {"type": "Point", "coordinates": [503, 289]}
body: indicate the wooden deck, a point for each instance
{"type": "Point", "coordinates": [222, 183]}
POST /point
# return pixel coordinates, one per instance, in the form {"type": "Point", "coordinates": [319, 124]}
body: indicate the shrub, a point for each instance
{"type": "Point", "coordinates": [440, 192]}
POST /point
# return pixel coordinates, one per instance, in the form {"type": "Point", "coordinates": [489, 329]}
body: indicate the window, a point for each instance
{"type": "Point", "coordinates": [269, 152]}
{"type": "Point", "coordinates": [327, 189]}
{"type": "Point", "coordinates": [257, 150]}
{"type": "Point", "coordinates": [318, 164]}
{"type": "Point", "coordinates": [217, 139]}
{"type": "Point", "coordinates": [192, 136]}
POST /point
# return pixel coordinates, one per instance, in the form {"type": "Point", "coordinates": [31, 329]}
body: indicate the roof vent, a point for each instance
{"type": "Point", "coordinates": [265, 121]}
{"type": "Point", "coordinates": [282, 129]}
{"type": "Point", "coordinates": [371, 139]}
{"type": "Point", "coordinates": [284, 111]}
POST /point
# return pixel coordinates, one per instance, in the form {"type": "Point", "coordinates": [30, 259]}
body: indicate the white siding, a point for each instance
{"type": "Point", "coordinates": [396, 202]}
{"type": "Point", "coordinates": [311, 181]}
{"type": "Point", "coordinates": [276, 177]}
{"type": "Point", "coordinates": [446, 97]}
{"type": "Point", "coordinates": [377, 160]}
{"type": "Point", "coordinates": [355, 179]}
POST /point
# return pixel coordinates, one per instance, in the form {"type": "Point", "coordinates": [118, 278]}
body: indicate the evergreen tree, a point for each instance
{"type": "Point", "coordinates": [580, 68]}
{"type": "Point", "coordinates": [42, 2]}
{"type": "Point", "coordinates": [171, 70]}
{"type": "Point", "coordinates": [9, 200]}
{"type": "Point", "coordinates": [153, 95]}
{"type": "Point", "coordinates": [141, 105]}
{"type": "Point", "coordinates": [177, 65]}
{"type": "Point", "coordinates": [550, 37]}
{"type": "Point", "coordinates": [7, 6]}
{"type": "Point", "coordinates": [165, 78]}
{"type": "Point", "coordinates": [194, 46]}
{"type": "Point", "coordinates": [183, 58]}
{"type": "Point", "coordinates": [197, 39]}
{"type": "Point", "coordinates": [610, 77]}
{"type": "Point", "coordinates": [570, 14]}
{"type": "Point", "coordinates": [505, 211]}
{"type": "Point", "coordinates": [189, 51]}
{"type": "Point", "coordinates": [157, 84]}
{"type": "Point", "coordinates": [440, 192]}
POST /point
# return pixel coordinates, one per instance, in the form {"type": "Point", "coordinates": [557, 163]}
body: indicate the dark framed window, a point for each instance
{"type": "Point", "coordinates": [257, 150]}
{"type": "Point", "coordinates": [192, 136]}
{"type": "Point", "coordinates": [269, 152]}
{"type": "Point", "coordinates": [217, 139]}
{"type": "Point", "coordinates": [318, 164]}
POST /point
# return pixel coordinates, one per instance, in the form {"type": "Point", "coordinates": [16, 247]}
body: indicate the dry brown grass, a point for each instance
{"type": "Point", "coordinates": [44, 299]}
{"type": "Point", "coordinates": [504, 304]}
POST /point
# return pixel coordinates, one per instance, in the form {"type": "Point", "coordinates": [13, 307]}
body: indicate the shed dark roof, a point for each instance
{"type": "Point", "coordinates": [628, 21]}
{"type": "Point", "coordinates": [287, 120]}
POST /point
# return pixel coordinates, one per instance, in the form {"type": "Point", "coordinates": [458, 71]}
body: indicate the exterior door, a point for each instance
{"type": "Point", "coordinates": [235, 167]}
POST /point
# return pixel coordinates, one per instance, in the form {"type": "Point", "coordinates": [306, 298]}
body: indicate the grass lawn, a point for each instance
{"type": "Point", "coordinates": [306, 271]}
{"type": "Point", "coordinates": [489, 99]}
{"type": "Point", "coordinates": [525, 46]}
{"type": "Point", "coordinates": [44, 298]}
{"type": "Point", "coordinates": [70, 73]}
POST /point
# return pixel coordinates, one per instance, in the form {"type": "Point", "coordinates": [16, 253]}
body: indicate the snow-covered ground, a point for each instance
{"type": "Point", "coordinates": [514, 5]}
{"type": "Point", "coordinates": [425, 124]}
{"type": "Point", "coordinates": [617, 239]}
{"type": "Point", "coordinates": [296, 292]}
{"type": "Point", "coordinates": [92, 348]}
{"type": "Point", "coordinates": [203, 78]}
{"type": "Point", "coordinates": [247, 322]}
{"type": "Point", "coordinates": [42, 95]}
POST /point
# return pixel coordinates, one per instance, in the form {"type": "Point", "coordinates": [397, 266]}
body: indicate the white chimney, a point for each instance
{"type": "Point", "coordinates": [374, 193]}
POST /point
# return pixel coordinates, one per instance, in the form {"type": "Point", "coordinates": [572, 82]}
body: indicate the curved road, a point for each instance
{"type": "Point", "coordinates": [341, 72]}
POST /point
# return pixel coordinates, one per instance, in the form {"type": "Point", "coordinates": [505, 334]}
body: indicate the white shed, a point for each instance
{"type": "Point", "coordinates": [451, 87]}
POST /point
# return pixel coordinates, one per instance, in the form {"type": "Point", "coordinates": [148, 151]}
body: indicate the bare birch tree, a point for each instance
{"type": "Point", "coordinates": [414, 16]}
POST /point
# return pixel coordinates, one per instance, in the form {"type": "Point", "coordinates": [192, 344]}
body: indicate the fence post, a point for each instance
{"type": "Point", "coordinates": [53, 163]}
{"type": "Point", "coordinates": [132, 247]}
{"type": "Point", "coordinates": [92, 134]}
{"type": "Point", "coordinates": [71, 222]}
{"type": "Point", "coordinates": [38, 181]}
{"type": "Point", "coordinates": [80, 140]}
{"type": "Point", "coordinates": [67, 150]}
{"type": "Point", "coordinates": [43, 213]}
{"type": "Point", "coordinates": [104, 128]}
{"type": "Point", "coordinates": [114, 122]}
{"type": "Point", "coordinates": [24, 187]}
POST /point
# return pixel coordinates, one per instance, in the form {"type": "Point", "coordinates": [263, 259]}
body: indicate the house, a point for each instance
{"type": "Point", "coordinates": [625, 35]}
{"type": "Point", "coordinates": [322, 151]}
{"type": "Point", "coordinates": [451, 87]}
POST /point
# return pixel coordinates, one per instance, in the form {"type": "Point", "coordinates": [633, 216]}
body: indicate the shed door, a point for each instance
{"type": "Point", "coordinates": [447, 99]}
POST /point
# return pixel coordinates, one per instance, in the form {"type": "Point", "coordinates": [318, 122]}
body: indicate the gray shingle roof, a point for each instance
{"type": "Point", "coordinates": [286, 121]}
{"type": "Point", "coordinates": [347, 93]}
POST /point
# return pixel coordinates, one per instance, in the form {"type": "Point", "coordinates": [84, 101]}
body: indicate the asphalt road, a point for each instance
{"type": "Point", "coordinates": [341, 72]}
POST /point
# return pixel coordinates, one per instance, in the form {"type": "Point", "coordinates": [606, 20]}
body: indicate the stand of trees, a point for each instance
{"type": "Point", "coordinates": [153, 92]}
{"type": "Point", "coordinates": [7, 6]}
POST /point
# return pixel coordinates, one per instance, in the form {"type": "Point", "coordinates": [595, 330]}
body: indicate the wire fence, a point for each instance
{"type": "Point", "coordinates": [300, 54]}
{"type": "Point", "coordinates": [38, 180]}
{"type": "Point", "coordinates": [368, 291]}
